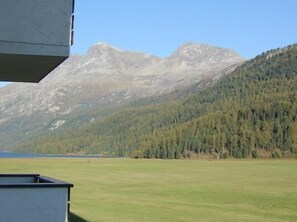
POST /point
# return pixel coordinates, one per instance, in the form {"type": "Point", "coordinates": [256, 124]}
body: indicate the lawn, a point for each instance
{"type": "Point", "coordinates": [127, 190]}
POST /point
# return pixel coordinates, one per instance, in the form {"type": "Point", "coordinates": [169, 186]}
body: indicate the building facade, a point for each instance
{"type": "Point", "coordinates": [35, 37]}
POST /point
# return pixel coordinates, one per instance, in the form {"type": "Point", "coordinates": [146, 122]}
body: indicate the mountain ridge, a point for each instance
{"type": "Point", "coordinates": [78, 71]}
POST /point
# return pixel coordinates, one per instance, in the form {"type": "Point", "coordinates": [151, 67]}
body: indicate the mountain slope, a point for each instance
{"type": "Point", "coordinates": [250, 112]}
{"type": "Point", "coordinates": [104, 77]}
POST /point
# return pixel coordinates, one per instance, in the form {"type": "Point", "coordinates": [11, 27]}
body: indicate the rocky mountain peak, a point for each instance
{"type": "Point", "coordinates": [101, 48]}
{"type": "Point", "coordinates": [192, 53]}
{"type": "Point", "coordinates": [190, 46]}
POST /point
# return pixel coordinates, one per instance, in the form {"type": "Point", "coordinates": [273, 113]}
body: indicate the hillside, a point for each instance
{"type": "Point", "coordinates": [251, 112]}
{"type": "Point", "coordinates": [84, 87]}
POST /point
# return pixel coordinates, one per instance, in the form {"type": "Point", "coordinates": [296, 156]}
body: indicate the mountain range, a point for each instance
{"type": "Point", "coordinates": [250, 112]}
{"type": "Point", "coordinates": [104, 78]}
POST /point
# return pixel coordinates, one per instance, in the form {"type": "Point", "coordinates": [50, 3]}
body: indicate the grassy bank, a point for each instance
{"type": "Point", "coordinates": [126, 190]}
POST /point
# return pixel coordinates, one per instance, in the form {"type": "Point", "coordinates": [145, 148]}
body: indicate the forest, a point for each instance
{"type": "Point", "coordinates": [248, 113]}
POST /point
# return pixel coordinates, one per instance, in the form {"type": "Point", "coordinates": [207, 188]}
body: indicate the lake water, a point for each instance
{"type": "Point", "coordinates": [29, 155]}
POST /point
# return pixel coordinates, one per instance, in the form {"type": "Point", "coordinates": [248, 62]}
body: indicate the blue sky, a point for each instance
{"type": "Point", "coordinates": [158, 27]}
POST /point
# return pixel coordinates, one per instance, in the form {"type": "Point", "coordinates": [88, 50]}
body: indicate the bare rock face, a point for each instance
{"type": "Point", "coordinates": [107, 75]}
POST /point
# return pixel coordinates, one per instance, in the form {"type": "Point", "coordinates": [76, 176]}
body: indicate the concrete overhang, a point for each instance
{"type": "Point", "coordinates": [27, 68]}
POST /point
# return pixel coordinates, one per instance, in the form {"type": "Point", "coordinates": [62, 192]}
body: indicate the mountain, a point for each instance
{"type": "Point", "coordinates": [104, 77]}
{"type": "Point", "coordinates": [249, 112]}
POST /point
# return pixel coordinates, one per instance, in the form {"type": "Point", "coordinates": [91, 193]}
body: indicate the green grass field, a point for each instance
{"type": "Point", "coordinates": [126, 190]}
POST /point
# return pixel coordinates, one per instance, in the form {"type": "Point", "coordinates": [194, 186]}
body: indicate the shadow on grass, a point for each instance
{"type": "Point", "coordinates": [74, 218]}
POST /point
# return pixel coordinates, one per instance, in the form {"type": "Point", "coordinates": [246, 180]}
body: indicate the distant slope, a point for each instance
{"type": "Point", "coordinates": [85, 86]}
{"type": "Point", "coordinates": [251, 112]}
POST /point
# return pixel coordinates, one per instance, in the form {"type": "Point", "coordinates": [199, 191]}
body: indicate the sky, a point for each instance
{"type": "Point", "coordinates": [158, 27]}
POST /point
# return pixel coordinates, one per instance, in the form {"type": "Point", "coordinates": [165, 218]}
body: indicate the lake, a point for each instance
{"type": "Point", "coordinates": [30, 155]}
